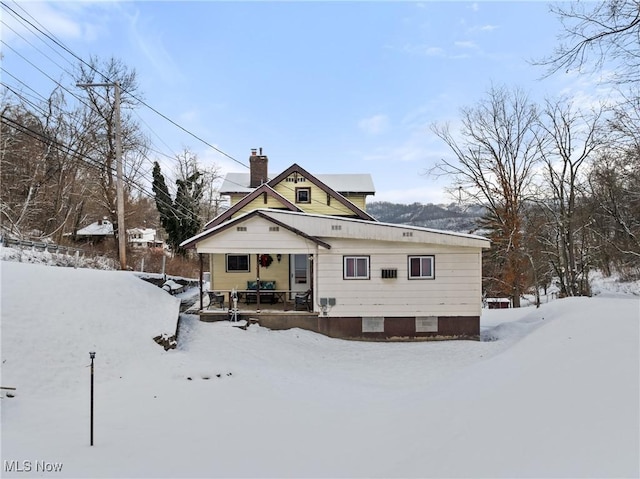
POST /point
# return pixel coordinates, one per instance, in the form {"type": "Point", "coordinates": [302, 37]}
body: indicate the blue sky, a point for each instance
{"type": "Point", "coordinates": [337, 87]}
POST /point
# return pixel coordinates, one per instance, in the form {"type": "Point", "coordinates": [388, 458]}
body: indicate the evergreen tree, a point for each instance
{"type": "Point", "coordinates": [179, 218]}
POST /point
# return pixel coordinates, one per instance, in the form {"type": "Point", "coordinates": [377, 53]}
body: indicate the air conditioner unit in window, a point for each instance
{"type": "Point", "coordinates": [389, 273]}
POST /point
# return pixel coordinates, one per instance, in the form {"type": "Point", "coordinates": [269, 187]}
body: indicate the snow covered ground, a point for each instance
{"type": "Point", "coordinates": [549, 392]}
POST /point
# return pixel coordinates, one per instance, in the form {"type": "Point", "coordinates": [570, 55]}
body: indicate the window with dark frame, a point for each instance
{"type": "Point", "coordinates": [303, 195]}
{"type": "Point", "coordinates": [356, 267]}
{"type": "Point", "coordinates": [237, 263]}
{"type": "Point", "coordinates": [422, 267]}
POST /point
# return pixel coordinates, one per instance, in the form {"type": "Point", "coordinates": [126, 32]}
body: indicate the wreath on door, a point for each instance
{"type": "Point", "coordinates": [265, 260]}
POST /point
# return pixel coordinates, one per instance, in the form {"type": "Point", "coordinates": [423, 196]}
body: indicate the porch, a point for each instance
{"type": "Point", "coordinates": [255, 306]}
{"type": "Point", "coordinates": [270, 316]}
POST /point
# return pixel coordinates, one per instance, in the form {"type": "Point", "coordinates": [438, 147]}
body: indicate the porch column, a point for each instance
{"type": "Point", "coordinates": [258, 283]}
{"type": "Point", "coordinates": [201, 277]}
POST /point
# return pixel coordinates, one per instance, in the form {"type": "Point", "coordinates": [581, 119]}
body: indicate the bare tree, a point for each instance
{"type": "Point", "coordinates": [605, 36]}
{"type": "Point", "coordinates": [41, 154]}
{"type": "Point", "coordinates": [615, 188]}
{"type": "Point", "coordinates": [22, 168]}
{"type": "Point", "coordinates": [495, 153]}
{"type": "Point", "coordinates": [101, 126]}
{"type": "Point", "coordinates": [598, 33]}
{"type": "Point", "coordinates": [569, 139]}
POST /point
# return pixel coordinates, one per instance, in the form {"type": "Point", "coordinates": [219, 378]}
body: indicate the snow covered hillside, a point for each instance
{"type": "Point", "coordinates": [550, 392]}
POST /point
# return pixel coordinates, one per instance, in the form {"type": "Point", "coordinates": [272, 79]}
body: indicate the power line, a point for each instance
{"type": "Point", "coordinates": [41, 71]}
{"type": "Point", "coordinates": [46, 33]}
{"type": "Point", "coordinates": [81, 157]}
{"type": "Point", "coordinates": [142, 102]}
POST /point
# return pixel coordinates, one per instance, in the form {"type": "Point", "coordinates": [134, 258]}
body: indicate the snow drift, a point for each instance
{"type": "Point", "coordinates": [552, 392]}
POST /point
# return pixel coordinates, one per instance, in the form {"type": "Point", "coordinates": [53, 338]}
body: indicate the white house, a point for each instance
{"type": "Point", "coordinates": [136, 237]}
{"type": "Point", "coordinates": [96, 231]}
{"type": "Point", "coordinates": [369, 280]}
{"type": "Point", "coordinates": [143, 238]}
{"type": "Point", "coordinates": [294, 232]}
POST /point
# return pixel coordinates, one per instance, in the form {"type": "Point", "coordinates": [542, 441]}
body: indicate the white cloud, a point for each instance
{"type": "Point", "coordinates": [475, 7]}
{"type": "Point", "coordinates": [421, 148]}
{"type": "Point", "coordinates": [466, 44]}
{"type": "Point", "coordinates": [430, 193]}
{"type": "Point", "coordinates": [427, 50]}
{"type": "Point", "coordinates": [587, 91]}
{"type": "Point", "coordinates": [374, 125]}
{"type": "Point", "coordinates": [482, 28]}
{"type": "Point", "coordinates": [152, 47]}
{"type": "Point", "coordinates": [66, 21]}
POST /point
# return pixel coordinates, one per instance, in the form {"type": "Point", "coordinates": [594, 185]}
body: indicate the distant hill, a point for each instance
{"type": "Point", "coordinates": [450, 217]}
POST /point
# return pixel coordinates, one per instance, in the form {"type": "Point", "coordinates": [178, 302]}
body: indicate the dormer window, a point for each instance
{"type": "Point", "coordinates": [303, 195]}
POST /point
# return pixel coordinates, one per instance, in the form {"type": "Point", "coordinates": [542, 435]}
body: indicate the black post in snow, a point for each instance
{"type": "Point", "coordinates": [92, 355]}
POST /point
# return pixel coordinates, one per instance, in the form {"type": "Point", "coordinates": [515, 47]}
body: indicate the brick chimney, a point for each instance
{"type": "Point", "coordinates": [258, 167]}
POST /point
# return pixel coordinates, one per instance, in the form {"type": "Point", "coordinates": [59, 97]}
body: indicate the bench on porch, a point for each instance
{"type": "Point", "coordinates": [267, 294]}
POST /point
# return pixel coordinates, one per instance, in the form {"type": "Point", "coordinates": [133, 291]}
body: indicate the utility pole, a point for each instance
{"type": "Point", "coordinates": [122, 232]}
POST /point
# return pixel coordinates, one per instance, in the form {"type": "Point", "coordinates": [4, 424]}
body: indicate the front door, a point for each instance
{"type": "Point", "coordinates": [299, 273]}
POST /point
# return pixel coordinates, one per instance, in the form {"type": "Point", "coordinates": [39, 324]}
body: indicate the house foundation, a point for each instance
{"type": "Point", "coordinates": [357, 328]}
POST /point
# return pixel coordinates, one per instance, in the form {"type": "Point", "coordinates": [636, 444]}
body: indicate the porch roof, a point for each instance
{"type": "Point", "coordinates": [321, 228]}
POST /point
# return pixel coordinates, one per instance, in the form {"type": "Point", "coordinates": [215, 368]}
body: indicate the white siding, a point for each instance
{"type": "Point", "coordinates": [455, 291]}
{"type": "Point", "coordinates": [259, 237]}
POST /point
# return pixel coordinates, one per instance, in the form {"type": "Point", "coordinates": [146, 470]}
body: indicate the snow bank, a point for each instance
{"type": "Point", "coordinates": [52, 317]}
{"type": "Point", "coordinates": [562, 402]}
{"type": "Point", "coordinates": [25, 255]}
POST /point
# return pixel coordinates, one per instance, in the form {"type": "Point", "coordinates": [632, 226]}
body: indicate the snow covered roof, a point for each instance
{"type": "Point", "coordinates": [318, 226]}
{"type": "Point", "coordinates": [98, 228]}
{"type": "Point", "coordinates": [342, 183]}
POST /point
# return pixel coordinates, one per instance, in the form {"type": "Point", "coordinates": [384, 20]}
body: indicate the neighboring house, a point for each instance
{"type": "Point", "coordinates": [369, 280]}
{"type": "Point", "coordinates": [95, 232]}
{"type": "Point", "coordinates": [143, 238]}
{"type": "Point", "coordinates": [101, 229]}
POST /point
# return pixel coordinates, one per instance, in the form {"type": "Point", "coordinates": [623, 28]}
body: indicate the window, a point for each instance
{"type": "Point", "coordinates": [303, 195]}
{"type": "Point", "coordinates": [238, 262]}
{"type": "Point", "coordinates": [421, 267]}
{"type": "Point", "coordinates": [300, 268]}
{"type": "Point", "coordinates": [356, 267]}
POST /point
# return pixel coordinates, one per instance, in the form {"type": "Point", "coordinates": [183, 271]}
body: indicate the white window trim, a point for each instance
{"type": "Point", "coordinates": [431, 257]}
{"type": "Point", "coordinates": [356, 257]}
